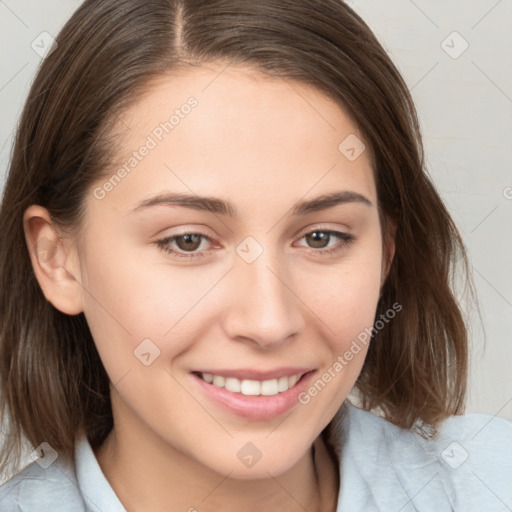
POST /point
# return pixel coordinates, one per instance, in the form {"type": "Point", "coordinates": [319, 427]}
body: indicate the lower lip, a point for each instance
{"type": "Point", "coordinates": [258, 407]}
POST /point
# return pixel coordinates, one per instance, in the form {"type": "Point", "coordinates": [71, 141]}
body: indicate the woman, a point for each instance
{"type": "Point", "coordinates": [229, 229]}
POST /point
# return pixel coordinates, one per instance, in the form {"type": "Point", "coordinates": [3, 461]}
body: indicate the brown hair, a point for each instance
{"type": "Point", "coordinates": [53, 383]}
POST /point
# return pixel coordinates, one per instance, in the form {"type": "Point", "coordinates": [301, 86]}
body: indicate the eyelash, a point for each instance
{"type": "Point", "coordinates": [346, 240]}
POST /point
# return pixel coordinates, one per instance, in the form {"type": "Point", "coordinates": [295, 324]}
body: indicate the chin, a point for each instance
{"type": "Point", "coordinates": [250, 463]}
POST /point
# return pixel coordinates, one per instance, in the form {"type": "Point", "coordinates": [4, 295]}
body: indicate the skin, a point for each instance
{"type": "Point", "coordinates": [262, 144]}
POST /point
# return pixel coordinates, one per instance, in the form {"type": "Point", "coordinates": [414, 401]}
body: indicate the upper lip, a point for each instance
{"type": "Point", "coordinates": [252, 374]}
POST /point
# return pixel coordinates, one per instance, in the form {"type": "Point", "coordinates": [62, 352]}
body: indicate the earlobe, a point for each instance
{"type": "Point", "coordinates": [53, 260]}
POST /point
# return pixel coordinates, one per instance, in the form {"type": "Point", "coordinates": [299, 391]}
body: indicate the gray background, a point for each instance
{"type": "Point", "coordinates": [465, 110]}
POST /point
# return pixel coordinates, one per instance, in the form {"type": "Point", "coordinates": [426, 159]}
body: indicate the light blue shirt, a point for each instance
{"type": "Point", "coordinates": [382, 468]}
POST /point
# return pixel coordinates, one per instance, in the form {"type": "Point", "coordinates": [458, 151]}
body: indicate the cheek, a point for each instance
{"type": "Point", "coordinates": [345, 296]}
{"type": "Point", "coordinates": [129, 300]}
{"type": "Point", "coordinates": [345, 301]}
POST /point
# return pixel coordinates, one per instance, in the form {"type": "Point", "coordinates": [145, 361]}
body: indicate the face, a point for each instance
{"type": "Point", "coordinates": [206, 311]}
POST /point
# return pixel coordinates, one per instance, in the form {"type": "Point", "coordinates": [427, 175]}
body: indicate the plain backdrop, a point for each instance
{"type": "Point", "coordinates": [455, 57]}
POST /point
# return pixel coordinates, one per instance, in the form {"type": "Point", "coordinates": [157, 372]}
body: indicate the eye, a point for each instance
{"type": "Point", "coordinates": [320, 238]}
{"type": "Point", "coordinates": [186, 243]}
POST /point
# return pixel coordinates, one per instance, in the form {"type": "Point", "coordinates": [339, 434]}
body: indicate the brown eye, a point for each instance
{"type": "Point", "coordinates": [187, 245]}
{"type": "Point", "coordinates": [188, 242]}
{"type": "Point", "coordinates": [318, 239]}
{"type": "Point", "coordinates": [327, 242]}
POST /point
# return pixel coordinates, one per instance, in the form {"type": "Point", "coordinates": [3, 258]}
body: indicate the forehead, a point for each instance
{"type": "Point", "coordinates": [232, 130]}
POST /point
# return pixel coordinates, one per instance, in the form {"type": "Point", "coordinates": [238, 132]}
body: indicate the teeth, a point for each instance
{"type": "Point", "coordinates": [219, 381]}
{"type": "Point", "coordinates": [282, 384]}
{"type": "Point", "coordinates": [269, 387]}
{"type": "Point", "coordinates": [252, 387]}
{"type": "Point", "coordinates": [293, 380]}
{"type": "Point", "coordinates": [232, 385]}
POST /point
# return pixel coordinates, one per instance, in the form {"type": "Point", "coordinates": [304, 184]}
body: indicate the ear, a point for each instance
{"type": "Point", "coordinates": [388, 253]}
{"type": "Point", "coordinates": [54, 260]}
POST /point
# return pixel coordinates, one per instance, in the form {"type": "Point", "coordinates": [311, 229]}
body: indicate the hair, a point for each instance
{"type": "Point", "coordinates": [108, 54]}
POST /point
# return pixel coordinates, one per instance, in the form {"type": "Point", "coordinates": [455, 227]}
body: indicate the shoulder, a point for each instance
{"type": "Point", "coordinates": [39, 488]}
{"type": "Point", "coordinates": [468, 466]}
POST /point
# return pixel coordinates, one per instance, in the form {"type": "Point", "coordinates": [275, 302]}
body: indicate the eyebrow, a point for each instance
{"type": "Point", "coordinates": [221, 207]}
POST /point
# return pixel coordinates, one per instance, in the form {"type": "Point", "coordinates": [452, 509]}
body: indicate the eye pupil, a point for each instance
{"type": "Point", "coordinates": [319, 238]}
{"type": "Point", "coordinates": [192, 238]}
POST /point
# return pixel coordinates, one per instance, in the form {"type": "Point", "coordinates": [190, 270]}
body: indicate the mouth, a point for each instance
{"type": "Point", "coordinates": [252, 387]}
{"type": "Point", "coordinates": [251, 394]}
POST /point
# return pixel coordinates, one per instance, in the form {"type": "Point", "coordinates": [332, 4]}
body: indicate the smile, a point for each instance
{"type": "Point", "coordinates": [250, 387]}
{"type": "Point", "coordinates": [252, 393]}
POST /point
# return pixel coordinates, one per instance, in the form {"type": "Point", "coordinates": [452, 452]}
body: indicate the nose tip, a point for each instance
{"type": "Point", "coordinates": [263, 307]}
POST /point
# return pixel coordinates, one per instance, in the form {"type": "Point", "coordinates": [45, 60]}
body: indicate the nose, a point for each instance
{"type": "Point", "coordinates": [263, 307]}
